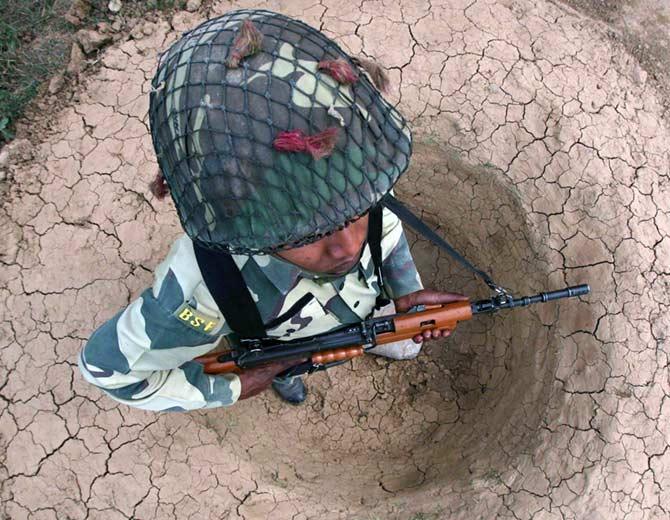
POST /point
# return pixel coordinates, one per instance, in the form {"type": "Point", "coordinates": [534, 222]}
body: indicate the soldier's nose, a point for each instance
{"type": "Point", "coordinates": [344, 244]}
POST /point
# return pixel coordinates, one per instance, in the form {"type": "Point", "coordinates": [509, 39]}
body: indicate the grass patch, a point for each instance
{"type": "Point", "coordinates": [35, 43]}
{"type": "Point", "coordinates": [32, 49]}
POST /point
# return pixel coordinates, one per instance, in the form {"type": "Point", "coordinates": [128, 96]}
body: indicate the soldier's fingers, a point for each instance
{"type": "Point", "coordinates": [437, 333]}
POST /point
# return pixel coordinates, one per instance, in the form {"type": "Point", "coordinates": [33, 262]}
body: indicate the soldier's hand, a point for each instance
{"type": "Point", "coordinates": [427, 297]}
{"type": "Point", "coordinates": [255, 380]}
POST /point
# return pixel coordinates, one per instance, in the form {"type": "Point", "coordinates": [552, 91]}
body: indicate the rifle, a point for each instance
{"type": "Point", "coordinates": [333, 348]}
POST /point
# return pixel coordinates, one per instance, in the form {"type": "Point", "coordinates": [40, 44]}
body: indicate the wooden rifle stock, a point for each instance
{"type": "Point", "coordinates": [440, 317]}
{"type": "Point", "coordinates": [405, 326]}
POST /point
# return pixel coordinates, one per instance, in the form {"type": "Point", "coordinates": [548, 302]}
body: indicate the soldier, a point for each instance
{"type": "Point", "coordinates": [277, 149]}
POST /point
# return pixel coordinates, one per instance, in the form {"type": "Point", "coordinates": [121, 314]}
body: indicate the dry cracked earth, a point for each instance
{"type": "Point", "coordinates": [540, 152]}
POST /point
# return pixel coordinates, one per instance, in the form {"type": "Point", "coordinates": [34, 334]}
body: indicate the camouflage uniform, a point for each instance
{"type": "Point", "coordinates": [143, 356]}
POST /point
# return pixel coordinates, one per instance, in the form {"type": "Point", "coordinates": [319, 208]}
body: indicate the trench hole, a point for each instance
{"type": "Point", "coordinates": [462, 410]}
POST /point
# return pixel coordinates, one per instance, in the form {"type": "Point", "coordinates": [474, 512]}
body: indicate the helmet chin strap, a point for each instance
{"type": "Point", "coordinates": [415, 222]}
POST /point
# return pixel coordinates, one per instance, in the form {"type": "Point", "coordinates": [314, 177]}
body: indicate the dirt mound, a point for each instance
{"type": "Point", "coordinates": [539, 152]}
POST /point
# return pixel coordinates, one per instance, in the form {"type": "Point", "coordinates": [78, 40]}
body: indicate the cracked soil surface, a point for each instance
{"type": "Point", "coordinates": [540, 152]}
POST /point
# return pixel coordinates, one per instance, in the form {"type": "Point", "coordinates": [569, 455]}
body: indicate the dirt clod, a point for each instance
{"type": "Point", "coordinates": [193, 5]}
{"type": "Point", "coordinates": [91, 41]}
{"type": "Point", "coordinates": [56, 83]}
{"type": "Point", "coordinates": [78, 12]}
{"type": "Point", "coordinates": [77, 60]}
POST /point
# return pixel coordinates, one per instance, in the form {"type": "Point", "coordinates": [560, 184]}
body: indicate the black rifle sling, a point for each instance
{"type": "Point", "coordinates": [409, 218]}
{"type": "Point", "coordinates": [229, 290]}
{"type": "Point", "coordinates": [375, 243]}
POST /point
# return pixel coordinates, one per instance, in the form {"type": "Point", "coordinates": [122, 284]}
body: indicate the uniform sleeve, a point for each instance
{"type": "Point", "coordinates": [398, 269]}
{"type": "Point", "coordinates": [143, 356]}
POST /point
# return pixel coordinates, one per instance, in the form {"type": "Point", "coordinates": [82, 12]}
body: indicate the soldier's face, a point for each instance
{"type": "Point", "coordinates": [334, 254]}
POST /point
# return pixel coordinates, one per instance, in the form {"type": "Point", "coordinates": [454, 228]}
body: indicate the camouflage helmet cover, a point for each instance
{"type": "Point", "coordinates": [213, 126]}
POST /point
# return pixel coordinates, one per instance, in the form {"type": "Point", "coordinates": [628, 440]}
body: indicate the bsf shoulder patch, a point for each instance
{"type": "Point", "coordinates": [196, 319]}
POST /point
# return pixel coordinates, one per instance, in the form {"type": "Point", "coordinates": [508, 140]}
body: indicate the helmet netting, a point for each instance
{"type": "Point", "coordinates": [213, 126]}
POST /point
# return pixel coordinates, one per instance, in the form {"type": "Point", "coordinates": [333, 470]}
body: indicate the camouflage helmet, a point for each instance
{"type": "Point", "coordinates": [268, 135]}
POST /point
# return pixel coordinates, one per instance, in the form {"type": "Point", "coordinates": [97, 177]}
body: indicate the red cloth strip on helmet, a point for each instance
{"type": "Point", "coordinates": [318, 145]}
{"type": "Point", "coordinates": [340, 70]}
{"type": "Point", "coordinates": [248, 41]}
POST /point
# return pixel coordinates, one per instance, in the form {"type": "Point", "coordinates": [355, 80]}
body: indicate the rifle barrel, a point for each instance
{"type": "Point", "coordinates": [492, 305]}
